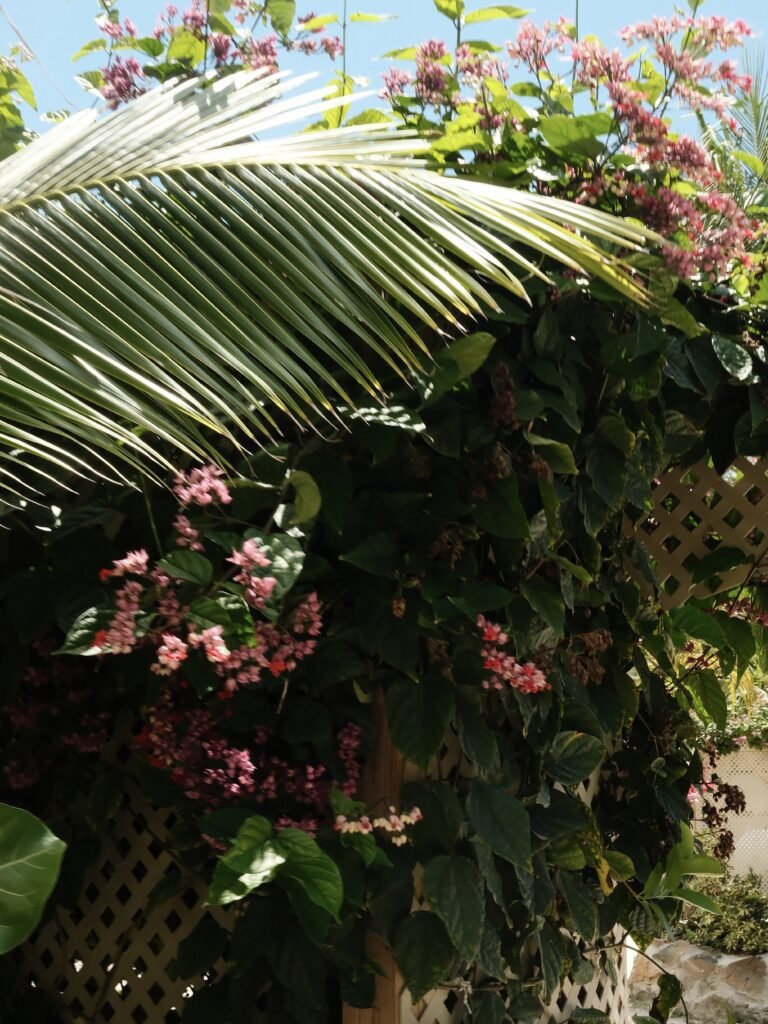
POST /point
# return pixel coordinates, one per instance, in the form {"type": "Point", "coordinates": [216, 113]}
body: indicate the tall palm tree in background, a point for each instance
{"type": "Point", "coordinates": [173, 277]}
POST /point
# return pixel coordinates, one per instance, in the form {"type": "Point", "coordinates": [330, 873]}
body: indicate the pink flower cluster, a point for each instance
{"type": "Point", "coordinates": [533, 44]}
{"type": "Point", "coordinates": [505, 670]}
{"type": "Point", "coordinates": [257, 589]}
{"type": "Point", "coordinates": [202, 486]}
{"type": "Point", "coordinates": [394, 825]}
{"type": "Point", "coordinates": [432, 76]}
{"type": "Point", "coordinates": [191, 745]}
{"type": "Point", "coordinates": [123, 81]}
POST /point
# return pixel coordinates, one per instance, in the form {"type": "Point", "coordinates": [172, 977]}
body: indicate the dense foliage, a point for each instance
{"type": "Point", "coordinates": [742, 925]}
{"type": "Point", "coordinates": [455, 559]}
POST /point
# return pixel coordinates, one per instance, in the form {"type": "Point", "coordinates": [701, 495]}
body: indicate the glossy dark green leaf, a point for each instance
{"type": "Point", "coordinates": [30, 859]}
{"type": "Point", "coordinates": [710, 692]}
{"type": "Point", "coordinates": [80, 636]}
{"type": "Point", "coordinates": [719, 560]}
{"type": "Point", "coordinates": [501, 821]}
{"type": "Point", "coordinates": [418, 714]}
{"type": "Point", "coordinates": [379, 555]}
{"type": "Point", "coordinates": [201, 948]}
{"type": "Point", "coordinates": [189, 566]}
{"type": "Point", "coordinates": [734, 357]}
{"type": "Point", "coordinates": [454, 891]}
{"type": "Point", "coordinates": [488, 1008]}
{"type": "Point", "coordinates": [423, 952]}
{"type": "Point", "coordinates": [552, 952]}
{"type": "Point", "coordinates": [547, 602]}
{"type": "Point", "coordinates": [581, 904]}
{"type": "Point", "coordinates": [311, 868]}
{"type": "Point", "coordinates": [307, 498]}
{"type": "Point", "coordinates": [558, 456]}
{"type": "Point", "coordinates": [695, 622]}
{"type": "Point", "coordinates": [501, 513]}
{"type": "Point", "coordinates": [573, 756]}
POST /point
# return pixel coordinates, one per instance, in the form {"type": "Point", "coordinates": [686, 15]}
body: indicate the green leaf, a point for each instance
{"type": "Point", "coordinates": [79, 638]}
{"type": "Point", "coordinates": [621, 866]}
{"type": "Point", "coordinates": [311, 868]}
{"type": "Point", "coordinates": [670, 994]}
{"type": "Point", "coordinates": [720, 560]}
{"type": "Point", "coordinates": [418, 714]}
{"type": "Point", "coordinates": [696, 899]}
{"type": "Point", "coordinates": [556, 454]}
{"type": "Point", "coordinates": [362, 16]}
{"type": "Point", "coordinates": [487, 1008]}
{"type": "Point", "coordinates": [370, 116]}
{"type": "Point", "coordinates": [154, 47]}
{"type": "Point", "coordinates": [252, 861]}
{"type": "Point", "coordinates": [454, 891]}
{"type": "Point", "coordinates": [307, 499]}
{"type": "Point", "coordinates": [404, 53]}
{"type": "Point", "coordinates": [186, 48]}
{"type": "Point", "coordinates": [318, 22]}
{"type": "Point", "coordinates": [581, 904]}
{"type": "Point", "coordinates": [457, 362]}
{"type": "Point", "coordinates": [450, 8]}
{"type": "Point", "coordinates": [423, 952]}
{"type": "Point", "coordinates": [501, 821]}
{"type": "Point", "coordinates": [281, 14]}
{"type": "Point", "coordinates": [494, 13]}
{"type": "Point", "coordinates": [379, 555]}
{"type": "Point", "coordinates": [188, 565]}
{"type": "Point", "coordinates": [94, 46]}
{"type": "Point", "coordinates": [30, 860]}
{"type": "Point", "coordinates": [552, 957]}
{"type": "Point", "coordinates": [710, 692]}
{"type": "Point", "coordinates": [572, 757]}
{"type": "Point", "coordinates": [696, 623]}
{"type": "Point", "coordinates": [734, 357]}
{"type": "Point", "coordinates": [567, 134]}
{"type": "Point", "coordinates": [546, 602]}
{"type": "Point", "coordinates": [608, 469]}
{"type": "Point", "coordinates": [701, 864]}
{"type": "Point", "coordinates": [754, 163]}
{"type": "Point", "coordinates": [481, 597]}
{"type": "Point", "coordinates": [617, 433]}
{"type": "Point", "coordinates": [502, 513]}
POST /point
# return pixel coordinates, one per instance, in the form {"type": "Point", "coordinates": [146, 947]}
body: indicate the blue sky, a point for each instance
{"type": "Point", "coordinates": [55, 29]}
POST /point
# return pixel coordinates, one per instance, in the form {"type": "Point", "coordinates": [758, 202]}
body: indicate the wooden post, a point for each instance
{"type": "Point", "coordinates": [381, 784]}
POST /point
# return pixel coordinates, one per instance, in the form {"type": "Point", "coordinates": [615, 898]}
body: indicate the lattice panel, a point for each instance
{"type": "Point", "coordinates": [696, 511]}
{"type": "Point", "coordinates": [748, 769]}
{"type": "Point", "coordinates": [112, 959]}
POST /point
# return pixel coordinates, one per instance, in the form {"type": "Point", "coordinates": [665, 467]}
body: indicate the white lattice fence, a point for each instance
{"type": "Point", "coordinates": [112, 959]}
{"type": "Point", "coordinates": [748, 769]}
{"type": "Point", "coordinates": [606, 991]}
{"type": "Point", "coordinates": [696, 511]}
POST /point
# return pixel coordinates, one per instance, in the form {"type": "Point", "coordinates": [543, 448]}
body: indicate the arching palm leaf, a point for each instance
{"type": "Point", "coordinates": [170, 271]}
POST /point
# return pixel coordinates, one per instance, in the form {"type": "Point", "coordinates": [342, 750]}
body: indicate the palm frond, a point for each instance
{"type": "Point", "coordinates": [171, 272]}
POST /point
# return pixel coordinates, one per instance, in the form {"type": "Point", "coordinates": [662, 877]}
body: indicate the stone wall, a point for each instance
{"type": "Point", "coordinates": [713, 982]}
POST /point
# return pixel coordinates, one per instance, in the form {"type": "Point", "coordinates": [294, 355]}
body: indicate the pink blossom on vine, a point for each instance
{"type": "Point", "coordinates": [134, 562]}
{"type": "Point", "coordinates": [593, 63]}
{"type": "Point", "coordinates": [261, 53]}
{"type": "Point", "coordinates": [202, 486]}
{"type": "Point", "coordinates": [432, 79]}
{"type": "Point", "coordinates": [221, 46]}
{"type": "Point", "coordinates": [333, 46]}
{"type": "Point", "coordinates": [187, 535]}
{"type": "Point", "coordinates": [533, 45]}
{"type": "Point", "coordinates": [212, 642]}
{"type": "Point", "coordinates": [395, 81]}
{"type": "Point", "coordinates": [120, 637]}
{"type": "Point", "coordinates": [122, 81]}
{"type": "Point", "coordinates": [170, 655]}
{"type": "Point", "coordinates": [250, 556]}
{"type": "Point", "coordinates": [505, 670]}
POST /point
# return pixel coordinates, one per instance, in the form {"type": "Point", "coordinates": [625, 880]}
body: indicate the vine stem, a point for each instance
{"type": "Point", "coordinates": [344, 45]}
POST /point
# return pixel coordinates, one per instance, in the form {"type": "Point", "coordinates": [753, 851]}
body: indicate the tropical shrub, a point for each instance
{"type": "Point", "coordinates": [456, 552]}
{"type": "Point", "coordinates": [741, 926]}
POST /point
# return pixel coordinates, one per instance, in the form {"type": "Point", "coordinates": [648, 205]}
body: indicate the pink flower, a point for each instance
{"type": "Point", "coordinates": [122, 81]}
{"type": "Point", "coordinates": [134, 562]}
{"type": "Point", "coordinates": [332, 46]}
{"type": "Point", "coordinates": [395, 82]}
{"type": "Point", "coordinates": [170, 655]}
{"type": "Point", "coordinates": [221, 46]}
{"type": "Point", "coordinates": [212, 642]}
{"type": "Point", "coordinates": [188, 536]}
{"type": "Point", "coordinates": [261, 53]}
{"type": "Point", "coordinates": [202, 486]}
